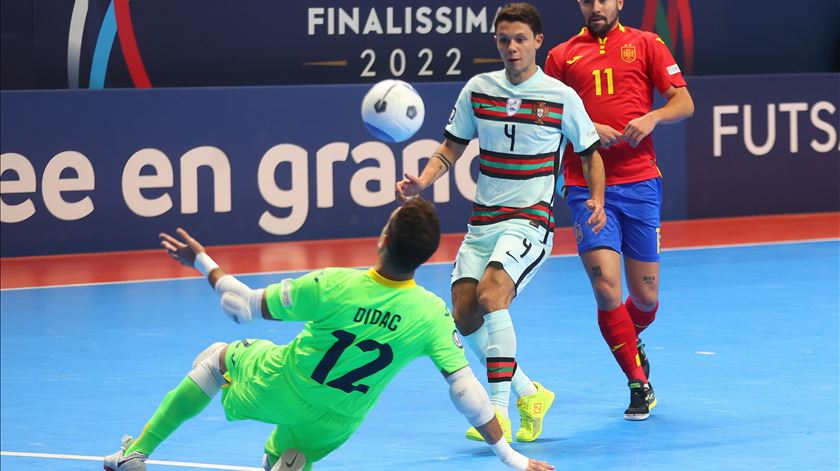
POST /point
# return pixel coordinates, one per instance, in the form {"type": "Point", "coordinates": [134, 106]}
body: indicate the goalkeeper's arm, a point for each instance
{"type": "Point", "coordinates": [471, 399]}
{"type": "Point", "coordinates": [239, 301]}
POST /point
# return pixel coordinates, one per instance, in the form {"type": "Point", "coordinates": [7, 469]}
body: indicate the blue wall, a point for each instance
{"type": "Point", "coordinates": [107, 170]}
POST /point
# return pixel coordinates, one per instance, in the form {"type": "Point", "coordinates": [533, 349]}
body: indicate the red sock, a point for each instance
{"type": "Point", "coordinates": [641, 319]}
{"type": "Point", "coordinates": [617, 329]}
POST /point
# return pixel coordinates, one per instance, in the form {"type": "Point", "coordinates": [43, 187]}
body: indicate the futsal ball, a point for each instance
{"type": "Point", "coordinates": [393, 111]}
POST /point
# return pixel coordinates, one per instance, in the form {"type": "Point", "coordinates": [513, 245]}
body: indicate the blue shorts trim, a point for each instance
{"type": "Point", "coordinates": [633, 219]}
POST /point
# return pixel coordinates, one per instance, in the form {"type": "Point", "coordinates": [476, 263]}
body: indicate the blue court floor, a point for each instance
{"type": "Point", "coordinates": [744, 360]}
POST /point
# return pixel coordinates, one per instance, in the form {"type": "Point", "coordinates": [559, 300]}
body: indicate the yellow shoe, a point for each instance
{"type": "Point", "coordinates": [472, 433]}
{"type": "Point", "coordinates": [532, 410]}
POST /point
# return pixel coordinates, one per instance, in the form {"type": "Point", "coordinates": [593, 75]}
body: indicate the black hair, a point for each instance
{"type": "Point", "coordinates": [413, 235]}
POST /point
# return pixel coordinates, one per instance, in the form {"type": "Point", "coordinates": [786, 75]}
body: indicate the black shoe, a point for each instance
{"type": "Point", "coordinates": [643, 358]}
{"type": "Point", "coordinates": [642, 400]}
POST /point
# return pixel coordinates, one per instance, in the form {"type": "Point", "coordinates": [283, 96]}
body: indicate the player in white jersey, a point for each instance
{"type": "Point", "coordinates": [523, 120]}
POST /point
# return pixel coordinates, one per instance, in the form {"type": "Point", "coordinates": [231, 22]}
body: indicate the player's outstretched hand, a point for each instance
{"type": "Point", "coordinates": [609, 135]}
{"type": "Point", "coordinates": [598, 219]}
{"type": "Point", "coordinates": [537, 465]}
{"type": "Point", "coordinates": [182, 252]}
{"type": "Point", "coordinates": [407, 188]}
{"type": "Point", "coordinates": [639, 129]}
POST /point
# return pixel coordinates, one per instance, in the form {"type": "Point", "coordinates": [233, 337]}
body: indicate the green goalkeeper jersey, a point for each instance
{"type": "Point", "coordinates": [361, 330]}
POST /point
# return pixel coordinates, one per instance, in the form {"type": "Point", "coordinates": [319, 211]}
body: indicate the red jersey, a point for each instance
{"type": "Point", "coordinates": [614, 77]}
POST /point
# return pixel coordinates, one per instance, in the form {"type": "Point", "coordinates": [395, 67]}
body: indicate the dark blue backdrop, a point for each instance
{"type": "Point", "coordinates": [109, 126]}
{"type": "Point", "coordinates": [268, 42]}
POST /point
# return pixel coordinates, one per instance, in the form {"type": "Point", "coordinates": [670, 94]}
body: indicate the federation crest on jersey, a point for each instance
{"type": "Point", "coordinates": [513, 105]}
{"type": "Point", "coordinates": [628, 53]}
{"type": "Point", "coordinates": [540, 112]}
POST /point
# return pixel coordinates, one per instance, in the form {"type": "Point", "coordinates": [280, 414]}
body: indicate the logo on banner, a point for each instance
{"type": "Point", "coordinates": [540, 112]}
{"type": "Point", "coordinates": [628, 53]}
{"type": "Point", "coordinates": [513, 105]}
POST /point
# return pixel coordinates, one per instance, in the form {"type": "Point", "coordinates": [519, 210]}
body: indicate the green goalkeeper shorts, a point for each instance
{"type": "Point", "coordinates": [259, 390]}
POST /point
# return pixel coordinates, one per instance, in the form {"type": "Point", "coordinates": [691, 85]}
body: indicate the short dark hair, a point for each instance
{"type": "Point", "coordinates": [522, 12]}
{"type": "Point", "coordinates": [413, 235]}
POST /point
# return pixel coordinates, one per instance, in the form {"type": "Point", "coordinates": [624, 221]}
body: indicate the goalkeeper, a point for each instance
{"type": "Point", "coordinates": [361, 328]}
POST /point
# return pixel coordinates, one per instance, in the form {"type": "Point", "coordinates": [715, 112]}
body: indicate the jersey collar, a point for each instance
{"type": "Point", "coordinates": [538, 73]}
{"type": "Point", "coordinates": [619, 29]}
{"type": "Point", "coordinates": [390, 283]}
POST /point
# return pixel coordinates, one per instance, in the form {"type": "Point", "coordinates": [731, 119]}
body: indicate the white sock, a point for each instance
{"type": "Point", "coordinates": [477, 341]}
{"type": "Point", "coordinates": [522, 384]}
{"type": "Point", "coordinates": [501, 354]}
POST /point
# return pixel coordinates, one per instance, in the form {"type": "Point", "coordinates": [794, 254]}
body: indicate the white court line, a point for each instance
{"type": "Point", "coordinates": [448, 262]}
{"type": "Point", "coordinates": [180, 464]}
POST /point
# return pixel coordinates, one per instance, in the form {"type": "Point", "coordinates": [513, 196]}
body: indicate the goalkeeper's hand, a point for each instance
{"type": "Point", "coordinates": [182, 252]}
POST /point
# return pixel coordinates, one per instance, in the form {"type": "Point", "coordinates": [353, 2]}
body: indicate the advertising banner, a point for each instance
{"type": "Point", "coordinates": [106, 170]}
{"type": "Point", "coordinates": [763, 145]}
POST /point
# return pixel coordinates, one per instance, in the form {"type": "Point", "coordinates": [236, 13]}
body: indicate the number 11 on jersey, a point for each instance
{"type": "Point", "coordinates": [608, 72]}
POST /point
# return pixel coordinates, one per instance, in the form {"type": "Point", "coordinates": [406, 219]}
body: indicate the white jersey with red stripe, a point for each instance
{"type": "Point", "coordinates": [521, 131]}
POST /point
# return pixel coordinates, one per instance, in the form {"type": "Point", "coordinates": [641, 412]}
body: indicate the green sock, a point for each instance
{"type": "Point", "coordinates": [182, 403]}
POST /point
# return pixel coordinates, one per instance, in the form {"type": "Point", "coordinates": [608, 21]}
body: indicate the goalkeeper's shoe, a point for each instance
{"type": "Point", "coordinates": [119, 461]}
{"type": "Point", "coordinates": [290, 460]}
{"type": "Point", "coordinates": [643, 358]}
{"type": "Point", "coordinates": [472, 433]}
{"type": "Point", "coordinates": [642, 400]}
{"type": "Point", "coordinates": [532, 410]}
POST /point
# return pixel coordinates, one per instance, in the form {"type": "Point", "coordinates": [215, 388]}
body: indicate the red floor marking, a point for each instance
{"type": "Point", "coordinates": [21, 272]}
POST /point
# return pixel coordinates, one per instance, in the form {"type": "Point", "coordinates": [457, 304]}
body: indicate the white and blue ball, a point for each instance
{"type": "Point", "coordinates": [393, 111]}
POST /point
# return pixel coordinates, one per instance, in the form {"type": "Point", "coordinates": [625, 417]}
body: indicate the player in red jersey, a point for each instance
{"type": "Point", "coordinates": [615, 69]}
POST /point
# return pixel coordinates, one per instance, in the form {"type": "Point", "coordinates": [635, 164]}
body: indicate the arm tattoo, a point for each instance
{"type": "Point", "coordinates": [443, 160]}
{"type": "Point", "coordinates": [649, 279]}
{"type": "Point", "coordinates": [596, 271]}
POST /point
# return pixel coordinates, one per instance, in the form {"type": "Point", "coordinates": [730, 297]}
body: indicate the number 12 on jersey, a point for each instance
{"type": "Point", "coordinates": [345, 382]}
{"type": "Point", "coordinates": [608, 72]}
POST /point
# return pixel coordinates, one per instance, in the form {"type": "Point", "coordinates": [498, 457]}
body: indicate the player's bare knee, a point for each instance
{"type": "Point", "coordinates": [206, 372]}
{"type": "Point", "coordinates": [465, 309]}
{"type": "Point", "coordinates": [646, 300]}
{"type": "Point", "coordinates": [607, 293]}
{"type": "Point", "coordinates": [467, 323]}
{"type": "Point", "coordinates": [644, 292]}
{"type": "Point", "coordinates": [492, 300]}
{"type": "Point", "coordinates": [493, 296]}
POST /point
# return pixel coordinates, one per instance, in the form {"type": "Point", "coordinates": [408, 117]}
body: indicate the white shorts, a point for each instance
{"type": "Point", "coordinates": [516, 245]}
